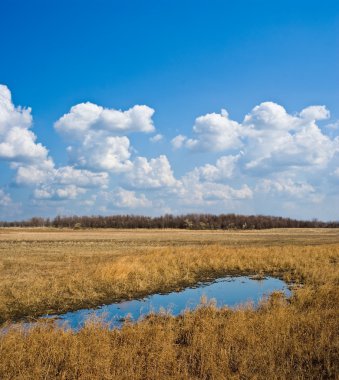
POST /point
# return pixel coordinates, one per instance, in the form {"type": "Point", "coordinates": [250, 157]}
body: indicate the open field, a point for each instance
{"type": "Point", "coordinates": [57, 270]}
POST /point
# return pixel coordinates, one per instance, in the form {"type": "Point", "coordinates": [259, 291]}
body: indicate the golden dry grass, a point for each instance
{"type": "Point", "coordinates": [53, 271]}
{"type": "Point", "coordinates": [44, 271]}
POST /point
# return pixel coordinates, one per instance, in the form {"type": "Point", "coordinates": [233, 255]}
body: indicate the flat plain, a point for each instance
{"type": "Point", "coordinates": [52, 271]}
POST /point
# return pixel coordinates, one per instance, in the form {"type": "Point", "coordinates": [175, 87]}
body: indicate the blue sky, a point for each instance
{"type": "Point", "coordinates": [271, 65]}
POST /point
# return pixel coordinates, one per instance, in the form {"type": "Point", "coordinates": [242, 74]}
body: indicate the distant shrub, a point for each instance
{"type": "Point", "coordinates": [77, 226]}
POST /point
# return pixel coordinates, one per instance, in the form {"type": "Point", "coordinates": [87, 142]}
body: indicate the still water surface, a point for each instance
{"type": "Point", "coordinates": [227, 291]}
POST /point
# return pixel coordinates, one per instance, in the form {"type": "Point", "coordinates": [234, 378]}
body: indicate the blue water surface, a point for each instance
{"type": "Point", "coordinates": [227, 291]}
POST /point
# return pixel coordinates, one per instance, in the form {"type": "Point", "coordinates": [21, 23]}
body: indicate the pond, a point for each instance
{"type": "Point", "coordinates": [227, 291]}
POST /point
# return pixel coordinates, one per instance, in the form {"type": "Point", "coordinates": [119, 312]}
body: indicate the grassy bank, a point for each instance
{"type": "Point", "coordinates": [57, 271]}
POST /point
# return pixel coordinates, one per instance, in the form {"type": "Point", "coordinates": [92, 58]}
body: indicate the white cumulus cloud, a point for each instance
{"type": "Point", "coordinates": [153, 173]}
{"type": "Point", "coordinates": [96, 135]}
{"type": "Point", "coordinates": [59, 193]}
{"type": "Point", "coordinates": [334, 126]}
{"type": "Point", "coordinates": [213, 132]}
{"type": "Point", "coordinates": [5, 199]}
{"type": "Point", "coordinates": [287, 186]}
{"type": "Point", "coordinates": [88, 116]}
{"type": "Point", "coordinates": [33, 166]}
{"type": "Point", "coordinates": [158, 137]}
{"type": "Point", "coordinates": [123, 198]}
{"type": "Point", "coordinates": [223, 169]}
{"type": "Point", "coordinates": [17, 141]}
{"type": "Point", "coordinates": [68, 175]}
{"type": "Point", "coordinates": [277, 140]}
{"type": "Point", "coordinates": [178, 141]}
{"type": "Point", "coordinates": [35, 173]}
{"type": "Point", "coordinates": [98, 151]}
{"type": "Point", "coordinates": [192, 190]}
{"type": "Point", "coordinates": [314, 113]}
{"type": "Point", "coordinates": [269, 138]}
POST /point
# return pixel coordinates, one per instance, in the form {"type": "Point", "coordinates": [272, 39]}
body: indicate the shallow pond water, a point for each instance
{"type": "Point", "coordinates": [227, 291]}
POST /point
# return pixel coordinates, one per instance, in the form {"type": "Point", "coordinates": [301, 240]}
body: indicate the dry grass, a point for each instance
{"type": "Point", "coordinates": [53, 271]}
{"type": "Point", "coordinates": [49, 271]}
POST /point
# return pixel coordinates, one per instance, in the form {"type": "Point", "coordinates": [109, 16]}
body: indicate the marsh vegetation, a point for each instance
{"type": "Point", "coordinates": [53, 271]}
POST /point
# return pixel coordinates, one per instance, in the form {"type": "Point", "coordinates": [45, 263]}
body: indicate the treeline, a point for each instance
{"type": "Point", "coordinates": [188, 221]}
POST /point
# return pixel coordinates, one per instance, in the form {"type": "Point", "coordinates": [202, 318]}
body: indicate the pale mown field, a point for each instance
{"type": "Point", "coordinates": [57, 270]}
